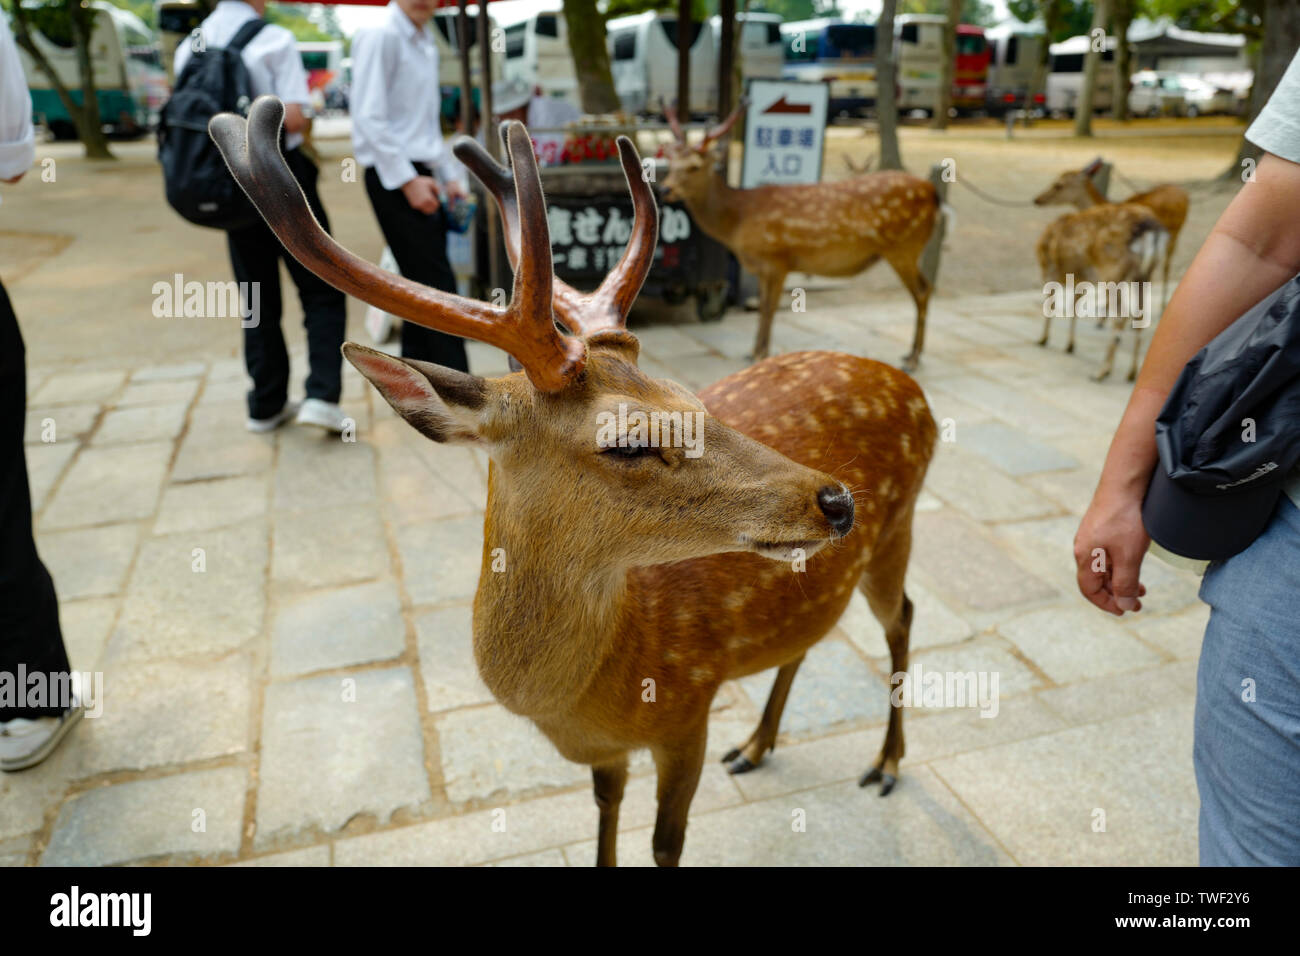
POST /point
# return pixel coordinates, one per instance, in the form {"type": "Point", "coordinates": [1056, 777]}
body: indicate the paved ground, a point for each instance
{"type": "Point", "coordinates": [309, 696]}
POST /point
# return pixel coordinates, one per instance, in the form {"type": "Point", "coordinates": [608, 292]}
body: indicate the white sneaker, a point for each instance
{"type": "Point", "coordinates": [275, 421]}
{"type": "Point", "coordinates": [25, 743]}
{"type": "Point", "coordinates": [322, 414]}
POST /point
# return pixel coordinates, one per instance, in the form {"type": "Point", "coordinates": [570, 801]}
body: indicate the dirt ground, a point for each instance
{"type": "Point", "coordinates": [82, 244]}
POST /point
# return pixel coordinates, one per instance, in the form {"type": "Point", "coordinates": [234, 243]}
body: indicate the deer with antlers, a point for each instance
{"type": "Point", "coordinates": [1168, 203]}
{"type": "Point", "coordinates": [835, 229]}
{"type": "Point", "coordinates": [638, 577]}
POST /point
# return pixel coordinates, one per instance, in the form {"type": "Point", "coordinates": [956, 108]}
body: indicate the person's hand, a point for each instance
{"type": "Point", "coordinates": [422, 193]}
{"type": "Point", "coordinates": [1108, 550]}
{"type": "Point", "coordinates": [453, 190]}
{"type": "Point", "coordinates": [14, 179]}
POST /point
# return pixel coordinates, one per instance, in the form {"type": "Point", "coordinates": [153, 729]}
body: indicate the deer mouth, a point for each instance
{"type": "Point", "coordinates": [784, 550]}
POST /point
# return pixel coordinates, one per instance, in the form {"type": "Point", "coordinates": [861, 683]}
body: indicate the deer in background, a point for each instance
{"type": "Point", "coordinates": [1104, 245]}
{"type": "Point", "coordinates": [1168, 203]}
{"type": "Point", "coordinates": [638, 578]}
{"type": "Point", "coordinates": [835, 229]}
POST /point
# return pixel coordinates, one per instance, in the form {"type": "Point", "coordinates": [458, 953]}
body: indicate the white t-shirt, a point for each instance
{"type": "Point", "coordinates": [274, 64]}
{"type": "Point", "coordinates": [1276, 130]}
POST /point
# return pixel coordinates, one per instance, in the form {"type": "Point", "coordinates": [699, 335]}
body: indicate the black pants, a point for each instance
{"type": "Point", "coordinates": [29, 609]}
{"type": "Point", "coordinates": [419, 244]}
{"type": "Point", "coordinates": [255, 254]}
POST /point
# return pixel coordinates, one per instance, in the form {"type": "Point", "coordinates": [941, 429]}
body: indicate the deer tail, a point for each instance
{"type": "Point", "coordinates": [1149, 241]}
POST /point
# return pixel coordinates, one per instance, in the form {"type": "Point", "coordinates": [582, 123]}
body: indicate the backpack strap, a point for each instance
{"type": "Point", "coordinates": [245, 35]}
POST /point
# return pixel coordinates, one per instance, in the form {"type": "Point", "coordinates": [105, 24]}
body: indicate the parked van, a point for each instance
{"type": "Point", "coordinates": [1065, 75]}
{"type": "Point", "coordinates": [834, 51]}
{"type": "Point", "coordinates": [1157, 94]}
{"type": "Point", "coordinates": [1014, 52]}
{"type": "Point", "coordinates": [762, 54]}
{"type": "Point", "coordinates": [919, 55]}
{"type": "Point", "coordinates": [643, 58]}
{"type": "Point", "coordinates": [537, 47]}
{"type": "Point", "coordinates": [130, 82]}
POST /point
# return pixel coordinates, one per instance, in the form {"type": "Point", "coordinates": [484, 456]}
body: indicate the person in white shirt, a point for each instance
{"type": "Point", "coordinates": [275, 67]}
{"type": "Point", "coordinates": [409, 169]}
{"type": "Point", "coordinates": [30, 638]}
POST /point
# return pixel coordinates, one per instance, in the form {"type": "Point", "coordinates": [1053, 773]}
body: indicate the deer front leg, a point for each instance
{"type": "Point", "coordinates": [1108, 362]}
{"type": "Point", "coordinates": [679, 767]}
{"type": "Point", "coordinates": [608, 782]}
{"type": "Point", "coordinates": [882, 584]}
{"type": "Point", "coordinates": [770, 287]}
{"type": "Point", "coordinates": [749, 755]}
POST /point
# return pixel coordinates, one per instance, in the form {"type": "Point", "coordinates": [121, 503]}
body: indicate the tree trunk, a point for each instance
{"type": "Point", "coordinates": [84, 118]}
{"type": "Point", "coordinates": [1281, 37]}
{"type": "Point", "coordinates": [1091, 65]}
{"type": "Point", "coordinates": [949, 72]}
{"type": "Point", "coordinates": [886, 102]}
{"type": "Point", "coordinates": [1123, 59]}
{"type": "Point", "coordinates": [590, 58]}
{"type": "Point", "coordinates": [1052, 15]}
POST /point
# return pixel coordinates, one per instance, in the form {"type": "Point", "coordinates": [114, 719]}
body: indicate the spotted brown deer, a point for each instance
{"type": "Point", "coordinates": [1114, 247]}
{"type": "Point", "coordinates": [835, 229]}
{"type": "Point", "coordinates": [637, 577]}
{"type": "Point", "coordinates": [1168, 203]}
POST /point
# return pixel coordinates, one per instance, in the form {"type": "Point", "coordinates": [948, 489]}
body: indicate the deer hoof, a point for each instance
{"type": "Point", "coordinates": [1069, 349]}
{"type": "Point", "coordinates": [910, 362]}
{"type": "Point", "coordinates": [739, 763]}
{"type": "Point", "coordinates": [876, 775]}
{"type": "Point", "coordinates": [1042, 343]}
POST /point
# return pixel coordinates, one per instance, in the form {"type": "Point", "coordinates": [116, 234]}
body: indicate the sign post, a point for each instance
{"type": "Point", "coordinates": [785, 133]}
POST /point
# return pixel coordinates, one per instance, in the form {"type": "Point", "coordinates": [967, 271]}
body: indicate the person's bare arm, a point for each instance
{"type": "Point", "coordinates": [295, 120]}
{"type": "Point", "coordinates": [1253, 249]}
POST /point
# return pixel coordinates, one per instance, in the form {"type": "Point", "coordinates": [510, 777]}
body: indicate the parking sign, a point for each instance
{"type": "Point", "coordinates": [785, 130]}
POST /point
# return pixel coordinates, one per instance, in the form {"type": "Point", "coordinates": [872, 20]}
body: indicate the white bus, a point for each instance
{"type": "Point", "coordinates": [130, 83]}
{"type": "Point", "coordinates": [1065, 75]}
{"type": "Point", "coordinates": [537, 47]}
{"type": "Point", "coordinates": [1014, 51]}
{"type": "Point", "coordinates": [643, 58]}
{"type": "Point", "coordinates": [834, 51]}
{"type": "Point", "coordinates": [919, 53]}
{"type": "Point", "coordinates": [761, 53]}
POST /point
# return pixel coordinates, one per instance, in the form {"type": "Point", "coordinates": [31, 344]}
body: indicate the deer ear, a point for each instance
{"type": "Point", "coordinates": [440, 403]}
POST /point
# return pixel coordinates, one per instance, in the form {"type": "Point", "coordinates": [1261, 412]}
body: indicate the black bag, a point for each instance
{"type": "Point", "coordinates": [198, 184]}
{"type": "Point", "coordinates": [1229, 434]}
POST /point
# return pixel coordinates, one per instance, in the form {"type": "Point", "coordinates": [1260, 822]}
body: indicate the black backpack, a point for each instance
{"type": "Point", "coordinates": [199, 186]}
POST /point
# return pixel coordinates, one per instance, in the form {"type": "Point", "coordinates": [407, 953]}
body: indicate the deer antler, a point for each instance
{"type": "Point", "coordinates": [525, 328]}
{"type": "Point", "coordinates": [670, 114]}
{"type": "Point", "coordinates": [723, 128]}
{"type": "Point", "coordinates": [607, 307]}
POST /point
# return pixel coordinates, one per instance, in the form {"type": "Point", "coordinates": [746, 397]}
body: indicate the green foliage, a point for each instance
{"type": "Point", "coordinates": [293, 17]}
{"type": "Point", "coordinates": [972, 11]}
{"type": "Point", "coordinates": [141, 8]}
{"type": "Point", "coordinates": [793, 10]}
{"type": "Point", "coordinates": [1210, 16]}
{"type": "Point", "coordinates": [1065, 18]}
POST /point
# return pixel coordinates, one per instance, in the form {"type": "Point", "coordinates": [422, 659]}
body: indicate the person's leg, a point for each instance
{"type": "Point", "coordinates": [419, 245]}
{"type": "Point", "coordinates": [324, 307]}
{"type": "Point", "coordinates": [29, 609]}
{"type": "Point", "coordinates": [1247, 749]}
{"type": "Point", "coordinates": [255, 257]}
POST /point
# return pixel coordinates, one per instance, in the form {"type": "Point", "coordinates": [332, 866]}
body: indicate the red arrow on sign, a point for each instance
{"type": "Point", "coordinates": [781, 106]}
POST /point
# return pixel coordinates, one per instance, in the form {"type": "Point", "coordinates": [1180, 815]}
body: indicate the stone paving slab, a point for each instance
{"type": "Point", "coordinates": [338, 627]}
{"type": "Point", "coordinates": [440, 559]}
{"type": "Point", "coordinates": [196, 814]}
{"type": "Point", "coordinates": [322, 759]}
{"type": "Point", "coordinates": [306, 553]}
{"type": "Point", "coordinates": [1040, 796]}
{"type": "Point", "coordinates": [217, 444]}
{"type": "Point", "coordinates": [172, 609]}
{"type": "Point", "coordinates": [981, 490]}
{"type": "Point", "coordinates": [142, 423]}
{"type": "Point", "coordinates": [201, 505]}
{"type": "Point", "coordinates": [833, 686]}
{"type": "Point", "coordinates": [90, 562]}
{"type": "Point", "coordinates": [45, 463]}
{"type": "Point", "coordinates": [86, 626]}
{"type": "Point", "coordinates": [57, 423]}
{"type": "Point", "coordinates": [959, 556]}
{"type": "Point", "coordinates": [71, 388]}
{"type": "Point", "coordinates": [447, 663]}
{"type": "Point", "coordinates": [1015, 453]}
{"type": "Point", "coordinates": [116, 483]}
{"type": "Point", "coordinates": [1077, 643]}
{"type": "Point", "coordinates": [160, 713]}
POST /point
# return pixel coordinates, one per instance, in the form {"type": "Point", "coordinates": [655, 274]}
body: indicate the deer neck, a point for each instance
{"type": "Point", "coordinates": [1095, 198]}
{"type": "Point", "coordinates": [548, 608]}
{"type": "Point", "coordinates": [718, 210]}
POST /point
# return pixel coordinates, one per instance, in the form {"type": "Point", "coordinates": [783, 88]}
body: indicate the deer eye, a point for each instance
{"type": "Point", "coordinates": [628, 451]}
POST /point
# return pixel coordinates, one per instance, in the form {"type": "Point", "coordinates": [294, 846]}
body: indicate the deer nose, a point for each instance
{"type": "Point", "coordinates": [837, 505]}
